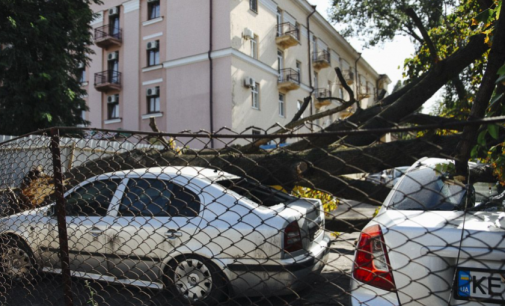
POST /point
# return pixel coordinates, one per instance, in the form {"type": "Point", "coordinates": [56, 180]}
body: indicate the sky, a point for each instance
{"type": "Point", "coordinates": [387, 58]}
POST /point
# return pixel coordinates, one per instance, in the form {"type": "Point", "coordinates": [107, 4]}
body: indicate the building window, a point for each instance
{"type": "Point", "coordinates": [81, 74]}
{"type": "Point", "coordinates": [341, 93]}
{"type": "Point", "coordinates": [153, 100]}
{"type": "Point", "coordinates": [114, 28]}
{"type": "Point", "coordinates": [153, 9]}
{"type": "Point", "coordinates": [253, 5]}
{"type": "Point", "coordinates": [279, 22]}
{"type": "Point", "coordinates": [113, 107]}
{"type": "Point", "coordinates": [280, 64]}
{"type": "Point", "coordinates": [255, 96]}
{"type": "Point", "coordinates": [153, 53]}
{"type": "Point", "coordinates": [299, 105]}
{"type": "Point", "coordinates": [282, 112]}
{"type": "Point", "coordinates": [254, 47]}
{"type": "Point", "coordinates": [299, 70]}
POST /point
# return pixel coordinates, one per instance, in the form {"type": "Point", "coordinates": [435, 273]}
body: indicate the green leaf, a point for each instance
{"type": "Point", "coordinates": [482, 138]}
{"type": "Point", "coordinates": [484, 16]}
{"type": "Point", "coordinates": [493, 130]}
{"type": "Point", "coordinates": [12, 21]}
{"type": "Point", "coordinates": [475, 152]}
{"type": "Point", "coordinates": [501, 71]}
{"type": "Point", "coordinates": [47, 117]}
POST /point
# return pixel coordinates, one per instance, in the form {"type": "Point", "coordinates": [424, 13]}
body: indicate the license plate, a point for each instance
{"type": "Point", "coordinates": [480, 285]}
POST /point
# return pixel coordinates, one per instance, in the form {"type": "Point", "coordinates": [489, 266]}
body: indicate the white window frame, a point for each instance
{"type": "Point", "coordinates": [254, 47]}
{"type": "Point", "coordinates": [255, 96]}
{"type": "Point", "coordinates": [299, 105]}
{"type": "Point", "coordinates": [282, 105]}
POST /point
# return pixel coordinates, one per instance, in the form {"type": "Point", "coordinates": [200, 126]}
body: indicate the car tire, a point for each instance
{"type": "Point", "coordinates": [17, 262]}
{"type": "Point", "coordinates": [196, 280]}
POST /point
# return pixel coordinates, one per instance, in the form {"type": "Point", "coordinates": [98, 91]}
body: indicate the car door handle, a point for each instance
{"type": "Point", "coordinates": [95, 231]}
{"type": "Point", "coordinates": [172, 234]}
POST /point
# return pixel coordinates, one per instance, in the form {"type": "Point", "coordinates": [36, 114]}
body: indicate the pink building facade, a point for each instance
{"type": "Point", "coordinates": [203, 65]}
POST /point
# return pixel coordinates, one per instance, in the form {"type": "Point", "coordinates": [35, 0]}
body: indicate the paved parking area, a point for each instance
{"type": "Point", "coordinates": [330, 288]}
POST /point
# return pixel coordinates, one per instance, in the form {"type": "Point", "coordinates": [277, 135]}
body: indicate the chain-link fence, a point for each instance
{"type": "Point", "coordinates": [97, 217]}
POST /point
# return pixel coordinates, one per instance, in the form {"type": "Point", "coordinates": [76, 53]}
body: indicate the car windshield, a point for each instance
{"type": "Point", "coordinates": [257, 193]}
{"type": "Point", "coordinates": [427, 189]}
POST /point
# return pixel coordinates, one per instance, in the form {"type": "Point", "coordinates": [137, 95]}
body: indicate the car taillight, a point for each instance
{"type": "Point", "coordinates": [292, 237]}
{"type": "Point", "coordinates": [371, 264]}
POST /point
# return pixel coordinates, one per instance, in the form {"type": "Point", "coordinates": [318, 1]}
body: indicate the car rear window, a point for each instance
{"type": "Point", "coordinates": [257, 193]}
{"type": "Point", "coordinates": [426, 189]}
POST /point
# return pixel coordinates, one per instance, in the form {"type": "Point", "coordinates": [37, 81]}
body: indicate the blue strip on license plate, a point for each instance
{"type": "Point", "coordinates": [480, 285]}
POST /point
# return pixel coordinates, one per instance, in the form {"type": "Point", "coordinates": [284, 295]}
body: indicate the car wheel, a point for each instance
{"type": "Point", "coordinates": [197, 280]}
{"type": "Point", "coordinates": [17, 262]}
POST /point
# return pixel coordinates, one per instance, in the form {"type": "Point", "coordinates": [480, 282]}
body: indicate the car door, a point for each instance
{"type": "Point", "coordinates": [87, 224]}
{"type": "Point", "coordinates": [154, 217]}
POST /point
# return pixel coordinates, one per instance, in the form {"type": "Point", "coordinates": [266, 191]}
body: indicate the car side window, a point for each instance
{"type": "Point", "coordinates": [146, 197]}
{"type": "Point", "coordinates": [93, 199]}
{"type": "Point", "coordinates": [184, 202]}
{"type": "Point", "coordinates": [153, 197]}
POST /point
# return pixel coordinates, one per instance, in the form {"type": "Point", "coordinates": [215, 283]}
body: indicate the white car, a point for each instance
{"type": "Point", "coordinates": [433, 243]}
{"type": "Point", "coordinates": [200, 232]}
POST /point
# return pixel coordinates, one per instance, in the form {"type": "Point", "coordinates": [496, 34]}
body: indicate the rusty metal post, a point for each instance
{"type": "Point", "coordinates": [60, 213]}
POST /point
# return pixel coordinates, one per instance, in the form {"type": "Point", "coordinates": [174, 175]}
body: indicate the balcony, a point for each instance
{"type": "Point", "coordinates": [107, 36]}
{"type": "Point", "coordinates": [108, 80]}
{"type": "Point", "coordinates": [288, 35]}
{"type": "Point", "coordinates": [321, 59]}
{"type": "Point", "coordinates": [289, 79]}
{"type": "Point", "coordinates": [322, 95]}
{"type": "Point", "coordinates": [348, 76]}
{"type": "Point", "coordinates": [363, 92]}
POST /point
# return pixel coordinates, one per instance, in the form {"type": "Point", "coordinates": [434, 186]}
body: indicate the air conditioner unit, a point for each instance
{"type": "Point", "coordinates": [152, 45]}
{"type": "Point", "coordinates": [113, 11]}
{"type": "Point", "coordinates": [249, 82]}
{"type": "Point", "coordinates": [154, 91]}
{"type": "Point", "coordinates": [112, 56]}
{"type": "Point", "coordinates": [248, 33]}
{"type": "Point", "coordinates": [112, 98]}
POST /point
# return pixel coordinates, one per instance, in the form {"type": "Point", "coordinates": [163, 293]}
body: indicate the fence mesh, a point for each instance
{"type": "Point", "coordinates": [96, 217]}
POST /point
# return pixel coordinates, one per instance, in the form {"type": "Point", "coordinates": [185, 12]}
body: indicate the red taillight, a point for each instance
{"type": "Point", "coordinates": [371, 264]}
{"type": "Point", "coordinates": [292, 238]}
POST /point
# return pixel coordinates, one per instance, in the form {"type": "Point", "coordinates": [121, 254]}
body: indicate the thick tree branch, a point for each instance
{"type": "Point", "coordinates": [419, 24]}
{"type": "Point", "coordinates": [434, 79]}
{"type": "Point", "coordinates": [423, 119]}
{"type": "Point", "coordinates": [496, 59]}
{"type": "Point", "coordinates": [298, 115]}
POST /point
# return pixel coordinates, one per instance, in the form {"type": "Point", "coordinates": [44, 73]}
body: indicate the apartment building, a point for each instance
{"type": "Point", "coordinates": [194, 65]}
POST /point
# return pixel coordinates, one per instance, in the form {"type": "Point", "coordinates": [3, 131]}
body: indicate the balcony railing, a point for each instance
{"type": "Point", "coordinates": [288, 35]}
{"type": "Point", "coordinates": [289, 79]}
{"type": "Point", "coordinates": [320, 95]}
{"type": "Point", "coordinates": [363, 92]}
{"type": "Point", "coordinates": [349, 76]}
{"type": "Point", "coordinates": [108, 80]}
{"type": "Point", "coordinates": [321, 59]}
{"type": "Point", "coordinates": [108, 35]}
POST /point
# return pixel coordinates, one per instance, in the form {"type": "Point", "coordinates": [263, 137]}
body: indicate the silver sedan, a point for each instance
{"type": "Point", "coordinates": [201, 233]}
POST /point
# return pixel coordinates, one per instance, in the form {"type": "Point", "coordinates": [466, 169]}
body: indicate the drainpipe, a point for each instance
{"type": "Point", "coordinates": [356, 77]}
{"type": "Point", "coordinates": [310, 63]}
{"type": "Point", "coordinates": [211, 83]}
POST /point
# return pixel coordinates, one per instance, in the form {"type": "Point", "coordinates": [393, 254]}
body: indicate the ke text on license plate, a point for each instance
{"type": "Point", "coordinates": [480, 285]}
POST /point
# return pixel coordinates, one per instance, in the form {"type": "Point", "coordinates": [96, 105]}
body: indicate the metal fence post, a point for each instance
{"type": "Point", "coordinates": [60, 212]}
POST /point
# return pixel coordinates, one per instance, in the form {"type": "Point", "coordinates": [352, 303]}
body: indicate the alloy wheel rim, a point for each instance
{"type": "Point", "coordinates": [193, 279]}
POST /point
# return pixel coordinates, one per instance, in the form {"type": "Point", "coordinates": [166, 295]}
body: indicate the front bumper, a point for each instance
{"type": "Point", "coordinates": [277, 277]}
